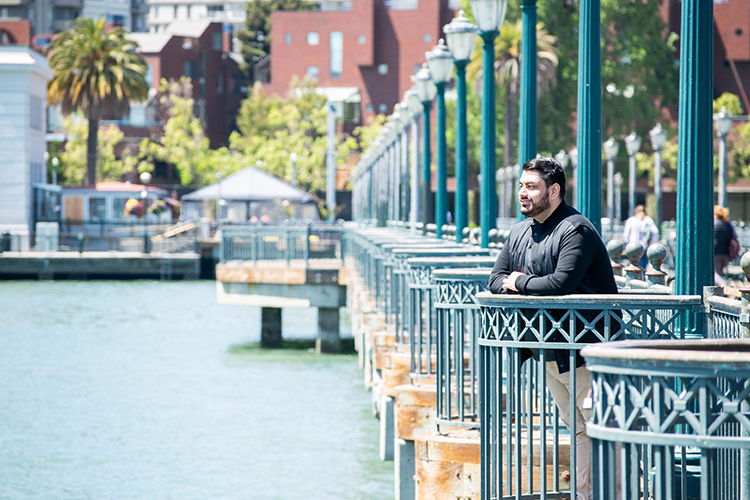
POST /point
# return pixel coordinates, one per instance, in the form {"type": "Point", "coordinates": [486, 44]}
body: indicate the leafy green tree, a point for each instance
{"type": "Point", "coordinates": [73, 159]}
{"type": "Point", "coordinates": [184, 143]}
{"type": "Point", "coordinates": [271, 128]}
{"type": "Point", "coordinates": [97, 72]}
{"type": "Point", "coordinates": [256, 37]}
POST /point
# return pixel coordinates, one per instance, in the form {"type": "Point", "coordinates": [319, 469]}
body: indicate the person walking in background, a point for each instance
{"type": "Point", "coordinates": [726, 245]}
{"type": "Point", "coordinates": [640, 228]}
{"type": "Point", "coordinates": [557, 251]}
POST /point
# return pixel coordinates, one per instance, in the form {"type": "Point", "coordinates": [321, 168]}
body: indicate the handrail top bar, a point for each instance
{"type": "Point", "coordinates": [470, 259]}
{"type": "Point", "coordinates": [706, 352]}
{"type": "Point", "coordinates": [455, 251]}
{"type": "Point", "coordinates": [565, 301]}
{"type": "Point", "coordinates": [417, 245]}
{"type": "Point", "coordinates": [450, 274]}
{"type": "Point", "coordinates": [725, 304]}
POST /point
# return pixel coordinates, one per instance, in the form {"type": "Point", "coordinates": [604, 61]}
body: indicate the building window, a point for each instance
{"type": "Point", "coordinates": [337, 54]}
{"type": "Point", "coordinates": [383, 69]}
{"type": "Point", "coordinates": [369, 108]}
{"type": "Point", "coordinates": [427, 38]}
{"type": "Point", "coordinates": [214, 11]}
{"type": "Point", "coordinates": [415, 68]}
{"type": "Point", "coordinates": [216, 41]}
{"type": "Point", "coordinates": [313, 38]}
{"type": "Point", "coordinates": [382, 108]}
{"type": "Point", "coordinates": [190, 69]}
{"type": "Point", "coordinates": [287, 38]}
{"type": "Point", "coordinates": [313, 71]}
{"type": "Point", "coordinates": [97, 208]}
{"type": "Point", "coordinates": [361, 39]}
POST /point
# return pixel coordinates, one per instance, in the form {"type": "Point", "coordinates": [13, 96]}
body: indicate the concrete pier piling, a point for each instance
{"type": "Point", "coordinates": [270, 327]}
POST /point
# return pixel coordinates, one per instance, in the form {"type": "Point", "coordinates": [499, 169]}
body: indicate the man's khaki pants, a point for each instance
{"type": "Point", "coordinates": [559, 386]}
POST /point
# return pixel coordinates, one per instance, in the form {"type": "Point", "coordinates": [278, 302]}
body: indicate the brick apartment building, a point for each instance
{"type": "Point", "coordinates": [365, 55]}
{"type": "Point", "coordinates": [199, 50]}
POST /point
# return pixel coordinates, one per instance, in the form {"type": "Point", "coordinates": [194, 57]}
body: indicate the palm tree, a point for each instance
{"type": "Point", "coordinates": [508, 68]}
{"type": "Point", "coordinates": [97, 72]}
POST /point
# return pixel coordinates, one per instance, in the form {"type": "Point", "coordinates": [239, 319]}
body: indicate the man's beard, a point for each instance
{"type": "Point", "coordinates": [535, 209]}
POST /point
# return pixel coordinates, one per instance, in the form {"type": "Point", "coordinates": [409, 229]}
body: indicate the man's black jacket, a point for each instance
{"type": "Point", "coordinates": [563, 255]}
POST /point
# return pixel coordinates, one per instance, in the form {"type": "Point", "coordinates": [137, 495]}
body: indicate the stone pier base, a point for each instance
{"type": "Point", "coordinates": [270, 327]}
{"type": "Point", "coordinates": [328, 340]}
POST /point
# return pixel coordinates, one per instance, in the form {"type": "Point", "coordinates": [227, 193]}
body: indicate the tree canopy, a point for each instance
{"type": "Point", "coordinates": [98, 72]}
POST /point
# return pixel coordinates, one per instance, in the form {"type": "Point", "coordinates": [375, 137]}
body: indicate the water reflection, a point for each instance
{"type": "Point", "coordinates": [124, 390]}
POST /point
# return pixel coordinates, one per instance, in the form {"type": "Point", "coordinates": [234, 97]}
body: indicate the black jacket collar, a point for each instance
{"type": "Point", "coordinates": [551, 221]}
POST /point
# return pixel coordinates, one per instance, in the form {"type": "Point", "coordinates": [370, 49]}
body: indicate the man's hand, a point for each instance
{"type": "Point", "coordinates": [509, 283]}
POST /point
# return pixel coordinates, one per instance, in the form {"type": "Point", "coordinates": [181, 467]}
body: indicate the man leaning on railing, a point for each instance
{"type": "Point", "coordinates": [556, 251]}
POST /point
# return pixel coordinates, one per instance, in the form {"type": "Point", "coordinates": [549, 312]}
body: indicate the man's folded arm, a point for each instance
{"type": "Point", "coordinates": [573, 261]}
{"type": "Point", "coordinates": [500, 271]}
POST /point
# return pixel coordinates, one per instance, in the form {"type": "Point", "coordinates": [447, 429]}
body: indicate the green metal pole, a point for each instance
{"type": "Point", "coordinates": [427, 215]}
{"type": "Point", "coordinates": [694, 259]}
{"type": "Point", "coordinates": [527, 123]}
{"type": "Point", "coordinates": [441, 191]}
{"type": "Point", "coordinates": [589, 188]}
{"type": "Point", "coordinates": [462, 156]}
{"type": "Point", "coordinates": [488, 190]}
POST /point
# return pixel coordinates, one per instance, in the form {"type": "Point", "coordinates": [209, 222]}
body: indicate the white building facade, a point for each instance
{"type": "Point", "coordinates": [23, 77]}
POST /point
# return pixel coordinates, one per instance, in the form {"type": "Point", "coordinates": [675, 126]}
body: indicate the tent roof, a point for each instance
{"type": "Point", "coordinates": [249, 184]}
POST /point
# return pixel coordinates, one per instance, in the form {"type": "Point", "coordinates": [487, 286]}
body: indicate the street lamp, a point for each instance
{"type": "Point", "coordinates": [426, 91]}
{"type": "Point", "coordinates": [411, 100]}
{"type": "Point", "coordinates": [723, 120]}
{"type": "Point", "coordinates": [633, 145]}
{"type": "Point", "coordinates": [563, 159]}
{"type": "Point", "coordinates": [618, 196]}
{"type": "Point", "coordinates": [462, 37]}
{"type": "Point", "coordinates": [611, 147]}
{"type": "Point", "coordinates": [489, 15]}
{"type": "Point", "coordinates": [409, 170]}
{"type": "Point", "coordinates": [55, 163]}
{"type": "Point", "coordinates": [219, 199]}
{"type": "Point", "coordinates": [658, 138]}
{"type": "Point", "coordinates": [440, 62]}
{"type": "Point", "coordinates": [293, 159]}
{"type": "Point", "coordinates": [145, 180]}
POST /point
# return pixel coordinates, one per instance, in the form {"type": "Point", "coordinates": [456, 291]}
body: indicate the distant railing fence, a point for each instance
{"type": "Point", "coordinates": [289, 243]}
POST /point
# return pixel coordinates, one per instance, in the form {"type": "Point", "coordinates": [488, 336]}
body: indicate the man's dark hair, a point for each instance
{"type": "Point", "coordinates": [549, 170]}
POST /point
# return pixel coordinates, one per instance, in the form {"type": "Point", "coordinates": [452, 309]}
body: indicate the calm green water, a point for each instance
{"type": "Point", "coordinates": [136, 390]}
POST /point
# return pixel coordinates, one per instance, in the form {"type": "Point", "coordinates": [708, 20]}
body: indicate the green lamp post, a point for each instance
{"type": "Point", "coordinates": [415, 108]}
{"type": "Point", "coordinates": [527, 112]}
{"type": "Point", "coordinates": [633, 145]}
{"type": "Point", "coordinates": [589, 144]}
{"type": "Point", "coordinates": [461, 35]}
{"type": "Point", "coordinates": [694, 266]}
{"type": "Point", "coordinates": [440, 61]}
{"type": "Point", "coordinates": [611, 148]}
{"type": "Point", "coordinates": [489, 15]}
{"type": "Point", "coordinates": [426, 91]}
{"type": "Point", "coordinates": [723, 122]}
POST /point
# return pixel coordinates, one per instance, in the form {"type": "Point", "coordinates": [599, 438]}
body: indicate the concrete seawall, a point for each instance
{"type": "Point", "coordinates": [99, 265]}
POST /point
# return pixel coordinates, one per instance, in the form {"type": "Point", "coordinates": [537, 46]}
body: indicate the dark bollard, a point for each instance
{"type": "Point", "coordinates": [81, 242]}
{"type": "Point", "coordinates": [657, 254]}
{"type": "Point", "coordinates": [615, 249]}
{"type": "Point", "coordinates": [270, 328]}
{"type": "Point", "coordinates": [634, 252]}
{"type": "Point", "coordinates": [465, 235]}
{"type": "Point", "coordinates": [494, 237]}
